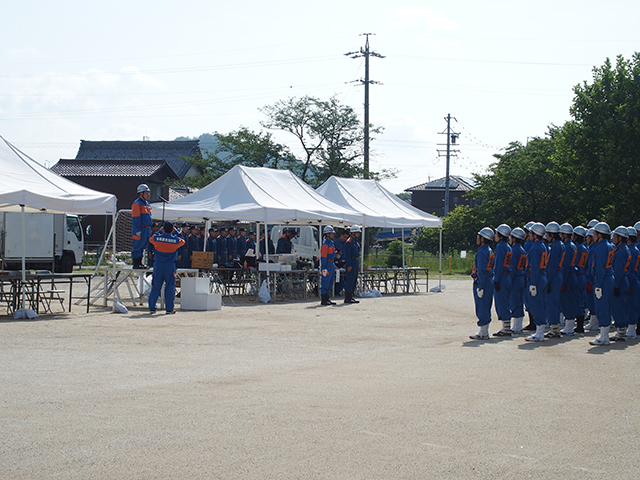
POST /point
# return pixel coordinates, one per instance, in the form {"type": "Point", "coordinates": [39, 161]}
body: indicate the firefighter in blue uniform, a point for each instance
{"type": "Point", "coordinates": [164, 267]}
{"type": "Point", "coordinates": [483, 282]}
{"type": "Point", "coordinates": [529, 239]}
{"type": "Point", "coordinates": [579, 236]}
{"type": "Point", "coordinates": [603, 280]}
{"type": "Point", "coordinates": [141, 222]}
{"type": "Point", "coordinates": [537, 260]}
{"type": "Point", "coordinates": [221, 247]}
{"type": "Point", "coordinates": [232, 247]}
{"type": "Point", "coordinates": [569, 303]}
{"type": "Point", "coordinates": [327, 266]}
{"type": "Point", "coordinates": [518, 284]}
{"type": "Point", "coordinates": [502, 279]}
{"type": "Point", "coordinates": [591, 302]}
{"type": "Point", "coordinates": [634, 284]}
{"type": "Point", "coordinates": [554, 279]}
{"type": "Point", "coordinates": [620, 300]}
{"type": "Point", "coordinates": [352, 263]}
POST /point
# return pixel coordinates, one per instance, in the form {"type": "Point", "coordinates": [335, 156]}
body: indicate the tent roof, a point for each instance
{"type": "Point", "coordinates": [25, 182]}
{"type": "Point", "coordinates": [261, 195]}
{"type": "Point", "coordinates": [380, 207]}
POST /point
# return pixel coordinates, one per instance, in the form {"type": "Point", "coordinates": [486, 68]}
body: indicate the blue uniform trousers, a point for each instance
{"type": "Point", "coordinates": [137, 250]}
{"type": "Point", "coordinates": [603, 305]}
{"type": "Point", "coordinates": [619, 307]}
{"type": "Point", "coordinates": [502, 298]}
{"type": "Point", "coordinates": [552, 300]}
{"type": "Point", "coordinates": [569, 299]}
{"type": "Point", "coordinates": [163, 273]}
{"type": "Point", "coordinates": [326, 281]}
{"type": "Point", "coordinates": [516, 295]}
{"type": "Point", "coordinates": [536, 304]}
{"type": "Point", "coordinates": [633, 308]}
{"type": "Point", "coordinates": [351, 279]}
{"type": "Point", "coordinates": [483, 305]}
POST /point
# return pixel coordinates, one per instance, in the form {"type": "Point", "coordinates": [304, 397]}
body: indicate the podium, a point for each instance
{"type": "Point", "coordinates": [196, 295]}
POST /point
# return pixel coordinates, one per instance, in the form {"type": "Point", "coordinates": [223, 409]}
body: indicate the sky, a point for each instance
{"type": "Point", "coordinates": [123, 70]}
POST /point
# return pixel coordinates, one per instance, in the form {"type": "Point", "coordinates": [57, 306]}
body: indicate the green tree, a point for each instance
{"type": "Point", "coordinates": [523, 185]}
{"type": "Point", "coordinates": [329, 133]}
{"type": "Point", "coordinates": [599, 150]}
{"type": "Point", "coordinates": [459, 231]}
{"type": "Point", "coordinates": [242, 147]}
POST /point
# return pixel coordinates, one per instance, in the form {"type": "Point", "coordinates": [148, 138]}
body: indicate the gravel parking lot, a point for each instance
{"type": "Point", "coordinates": [391, 388]}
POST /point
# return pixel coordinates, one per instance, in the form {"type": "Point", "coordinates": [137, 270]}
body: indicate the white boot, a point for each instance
{"type": "Point", "coordinates": [538, 336]}
{"type": "Point", "coordinates": [593, 324]}
{"type": "Point", "coordinates": [603, 338]}
{"type": "Point", "coordinates": [620, 335]}
{"type": "Point", "coordinates": [517, 325]}
{"type": "Point", "coordinates": [569, 326]}
{"type": "Point", "coordinates": [483, 334]}
{"type": "Point", "coordinates": [631, 331]}
{"type": "Point", "coordinates": [506, 329]}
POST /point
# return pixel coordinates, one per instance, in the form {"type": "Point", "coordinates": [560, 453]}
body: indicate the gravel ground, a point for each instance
{"type": "Point", "coordinates": [391, 388]}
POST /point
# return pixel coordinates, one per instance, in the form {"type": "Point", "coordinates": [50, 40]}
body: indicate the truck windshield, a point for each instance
{"type": "Point", "coordinates": [73, 225]}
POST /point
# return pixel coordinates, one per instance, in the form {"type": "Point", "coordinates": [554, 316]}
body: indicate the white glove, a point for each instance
{"type": "Point", "coordinates": [215, 265]}
{"type": "Point", "coordinates": [598, 293]}
{"type": "Point", "coordinates": [325, 272]}
{"type": "Point", "coordinates": [480, 293]}
{"type": "Point", "coordinates": [533, 290]}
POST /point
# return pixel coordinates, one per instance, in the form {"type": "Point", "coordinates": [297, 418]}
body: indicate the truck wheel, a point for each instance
{"type": "Point", "coordinates": [66, 264]}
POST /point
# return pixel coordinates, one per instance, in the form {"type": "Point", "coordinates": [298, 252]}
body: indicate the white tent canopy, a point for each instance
{"type": "Point", "coordinates": [380, 207]}
{"type": "Point", "coordinates": [252, 194]}
{"type": "Point", "coordinates": [25, 182]}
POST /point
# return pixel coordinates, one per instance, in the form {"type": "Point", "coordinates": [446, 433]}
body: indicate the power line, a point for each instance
{"type": "Point", "coordinates": [366, 53]}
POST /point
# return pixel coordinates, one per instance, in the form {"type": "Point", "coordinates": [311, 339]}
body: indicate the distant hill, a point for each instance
{"type": "Point", "coordinates": [208, 142]}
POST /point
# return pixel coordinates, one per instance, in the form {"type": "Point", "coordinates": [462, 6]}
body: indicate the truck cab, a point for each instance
{"type": "Point", "coordinates": [52, 241]}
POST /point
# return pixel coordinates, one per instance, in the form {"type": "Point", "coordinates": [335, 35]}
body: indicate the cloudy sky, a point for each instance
{"type": "Point", "coordinates": [124, 70]}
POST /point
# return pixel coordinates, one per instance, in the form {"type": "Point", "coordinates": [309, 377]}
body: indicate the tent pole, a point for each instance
{"type": "Point", "coordinates": [114, 264]}
{"type": "Point", "coordinates": [404, 265]}
{"type": "Point", "coordinates": [440, 279]}
{"type": "Point", "coordinates": [24, 265]}
{"type": "Point", "coordinates": [361, 281]}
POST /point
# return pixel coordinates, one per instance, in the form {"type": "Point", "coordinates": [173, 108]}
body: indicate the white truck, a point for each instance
{"type": "Point", "coordinates": [52, 241]}
{"type": "Point", "coordinates": [305, 243]}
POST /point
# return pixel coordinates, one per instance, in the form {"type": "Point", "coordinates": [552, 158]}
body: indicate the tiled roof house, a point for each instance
{"type": "Point", "coordinates": [118, 167]}
{"type": "Point", "coordinates": [429, 197]}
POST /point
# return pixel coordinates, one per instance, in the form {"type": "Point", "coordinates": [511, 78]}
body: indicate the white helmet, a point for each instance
{"type": "Point", "coordinates": [566, 228]}
{"type": "Point", "coordinates": [637, 226]}
{"type": "Point", "coordinates": [552, 227]}
{"type": "Point", "coordinates": [592, 223]}
{"type": "Point", "coordinates": [518, 233]}
{"type": "Point", "coordinates": [528, 226]}
{"type": "Point", "coordinates": [590, 232]}
{"type": "Point", "coordinates": [632, 232]}
{"type": "Point", "coordinates": [621, 231]}
{"type": "Point", "coordinates": [355, 228]}
{"type": "Point", "coordinates": [580, 231]}
{"type": "Point", "coordinates": [328, 229]}
{"type": "Point", "coordinates": [486, 232]}
{"type": "Point", "coordinates": [504, 230]}
{"type": "Point", "coordinates": [603, 227]}
{"type": "Point", "coordinates": [539, 229]}
{"type": "Point", "coordinates": [143, 187]}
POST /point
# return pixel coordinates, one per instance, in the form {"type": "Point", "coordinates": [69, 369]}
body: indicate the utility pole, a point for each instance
{"type": "Point", "coordinates": [452, 137]}
{"type": "Point", "coordinates": [366, 53]}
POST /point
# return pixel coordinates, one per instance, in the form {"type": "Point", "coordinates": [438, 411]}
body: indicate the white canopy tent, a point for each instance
{"type": "Point", "coordinates": [25, 182]}
{"type": "Point", "coordinates": [25, 185]}
{"type": "Point", "coordinates": [380, 207]}
{"type": "Point", "coordinates": [251, 194]}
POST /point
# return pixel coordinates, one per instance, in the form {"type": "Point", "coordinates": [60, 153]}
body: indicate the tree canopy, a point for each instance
{"type": "Point", "coordinates": [587, 168]}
